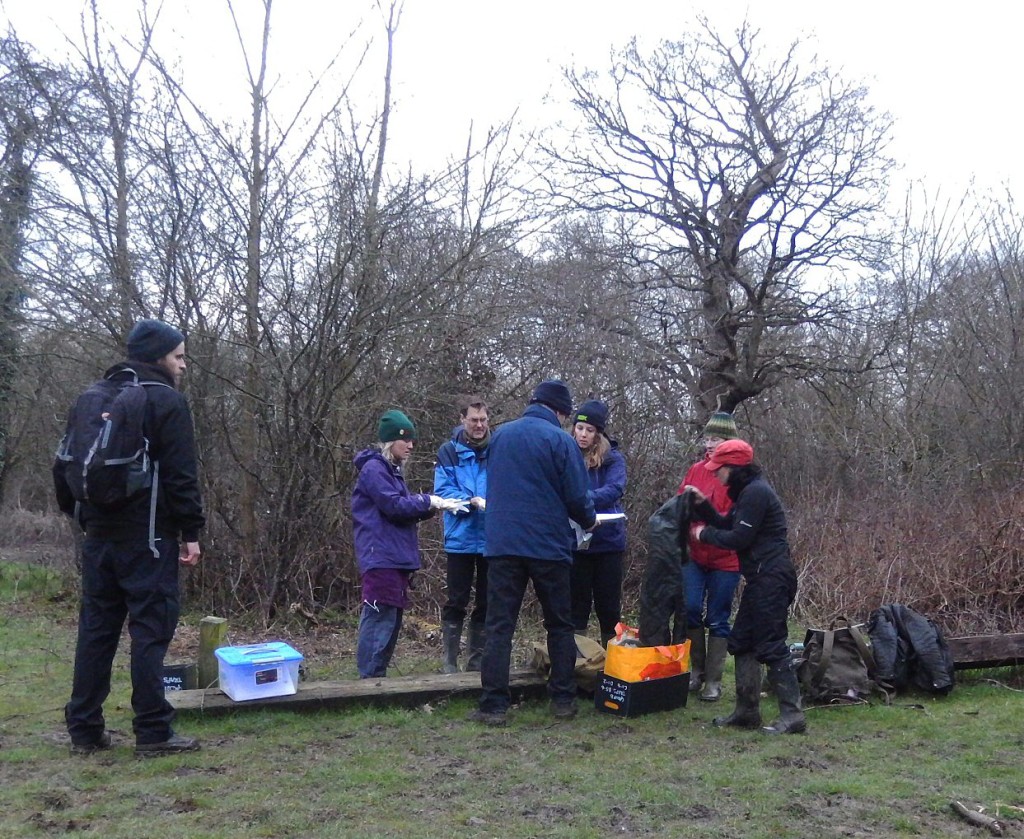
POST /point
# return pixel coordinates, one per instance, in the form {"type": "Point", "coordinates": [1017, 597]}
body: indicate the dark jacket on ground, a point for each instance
{"type": "Point", "coordinates": [536, 482]}
{"type": "Point", "coordinates": [909, 650]}
{"type": "Point", "coordinates": [168, 427]}
{"type": "Point", "coordinates": [755, 527]}
{"type": "Point", "coordinates": [385, 515]}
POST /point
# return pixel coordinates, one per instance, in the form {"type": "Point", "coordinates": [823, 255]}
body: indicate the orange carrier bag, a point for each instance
{"type": "Point", "coordinates": [639, 664]}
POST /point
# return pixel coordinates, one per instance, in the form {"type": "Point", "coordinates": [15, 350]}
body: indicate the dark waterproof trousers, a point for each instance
{"type": "Point", "coordinates": [507, 577]}
{"type": "Point", "coordinates": [462, 568]}
{"type": "Point", "coordinates": [760, 627]}
{"type": "Point", "coordinates": [597, 581]}
{"type": "Point", "coordinates": [119, 580]}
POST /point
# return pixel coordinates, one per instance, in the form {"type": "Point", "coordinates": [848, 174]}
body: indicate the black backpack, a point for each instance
{"type": "Point", "coordinates": [104, 455]}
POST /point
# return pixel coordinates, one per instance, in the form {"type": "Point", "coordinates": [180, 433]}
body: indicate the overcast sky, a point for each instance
{"type": "Point", "coordinates": [947, 72]}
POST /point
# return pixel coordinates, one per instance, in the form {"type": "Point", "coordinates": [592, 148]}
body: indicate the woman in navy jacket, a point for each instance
{"type": "Point", "coordinates": [384, 519]}
{"type": "Point", "coordinates": [597, 571]}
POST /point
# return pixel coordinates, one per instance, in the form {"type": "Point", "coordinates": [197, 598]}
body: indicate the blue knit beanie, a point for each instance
{"type": "Point", "coordinates": [555, 394]}
{"type": "Point", "coordinates": [593, 412]}
{"type": "Point", "coordinates": [151, 340]}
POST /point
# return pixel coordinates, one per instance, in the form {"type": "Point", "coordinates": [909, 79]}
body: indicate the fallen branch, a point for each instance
{"type": "Point", "coordinates": [994, 826]}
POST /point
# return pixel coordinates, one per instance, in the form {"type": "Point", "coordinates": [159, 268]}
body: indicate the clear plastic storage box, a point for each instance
{"type": "Point", "coordinates": [258, 670]}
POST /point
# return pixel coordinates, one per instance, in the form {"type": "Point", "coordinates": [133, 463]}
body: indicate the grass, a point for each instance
{"type": "Point", "coordinates": [861, 770]}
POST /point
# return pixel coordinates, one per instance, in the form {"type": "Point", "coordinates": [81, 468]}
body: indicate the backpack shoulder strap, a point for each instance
{"type": "Point", "coordinates": [865, 651]}
{"type": "Point", "coordinates": [828, 639]}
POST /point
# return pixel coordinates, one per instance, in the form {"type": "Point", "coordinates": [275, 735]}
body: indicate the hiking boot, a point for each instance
{"type": "Point", "coordinates": [174, 744]}
{"type": "Point", "coordinates": [102, 744]}
{"type": "Point", "coordinates": [714, 665]}
{"type": "Point", "coordinates": [748, 695]}
{"type": "Point", "coordinates": [697, 656]}
{"type": "Point", "coordinates": [477, 638]}
{"type": "Point", "coordinates": [564, 710]}
{"type": "Point", "coordinates": [495, 719]}
{"type": "Point", "coordinates": [451, 636]}
{"type": "Point", "coordinates": [791, 714]}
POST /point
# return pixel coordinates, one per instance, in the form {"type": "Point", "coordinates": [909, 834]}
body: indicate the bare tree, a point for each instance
{"type": "Point", "coordinates": [749, 183]}
{"type": "Point", "coordinates": [23, 124]}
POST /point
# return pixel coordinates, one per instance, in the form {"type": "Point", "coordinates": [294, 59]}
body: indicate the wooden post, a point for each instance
{"type": "Point", "coordinates": [213, 633]}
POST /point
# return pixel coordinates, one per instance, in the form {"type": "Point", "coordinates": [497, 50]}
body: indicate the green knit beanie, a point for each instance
{"type": "Point", "coordinates": [721, 425]}
{"type": "Point", "coordinates": [394, 425]}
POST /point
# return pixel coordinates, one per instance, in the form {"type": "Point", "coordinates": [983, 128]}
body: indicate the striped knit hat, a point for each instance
{"type": "Point", "coordinates": [721, 425]}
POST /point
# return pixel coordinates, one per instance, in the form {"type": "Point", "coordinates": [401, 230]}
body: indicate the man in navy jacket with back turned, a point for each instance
{"type": "Point", "coordinates": [536, 482]}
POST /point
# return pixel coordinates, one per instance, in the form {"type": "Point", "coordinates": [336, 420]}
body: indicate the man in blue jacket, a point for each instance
{"type": "Point", "coordinates": [536, 482]}
{"type": "Point", "coordinates": [461, 475]}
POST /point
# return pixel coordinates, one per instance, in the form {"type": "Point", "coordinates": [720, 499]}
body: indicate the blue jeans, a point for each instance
{"type": "Point", "coordinates": [378, 633]}
{"type": "Point", "coordinates": [507, 577]}
{"type": "Point", "coordinates": [717, 588]}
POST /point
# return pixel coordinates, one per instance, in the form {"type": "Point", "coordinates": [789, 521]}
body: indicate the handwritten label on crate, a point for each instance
{"type": "Point", "coordinates": [613, 690]}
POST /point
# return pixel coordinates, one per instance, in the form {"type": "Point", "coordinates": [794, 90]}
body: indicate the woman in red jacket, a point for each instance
{"type": "Point", "coordinates": [711, 576]}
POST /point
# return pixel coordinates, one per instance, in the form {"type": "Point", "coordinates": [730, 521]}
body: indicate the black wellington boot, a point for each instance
{"type": "Point", "coordinates": [451, 637]}
{"type": "Point", "coordinates": [477, 636]}
{"type": "Point", "coordinates": [748, 694]}
{"type": "Point", "coordinates": [697, 656]}
{"type": "Point", "coordinates": [791, 714]}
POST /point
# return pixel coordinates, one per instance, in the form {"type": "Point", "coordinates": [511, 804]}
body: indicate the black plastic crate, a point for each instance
{"type": "Point", "coordinates": [631, 699]}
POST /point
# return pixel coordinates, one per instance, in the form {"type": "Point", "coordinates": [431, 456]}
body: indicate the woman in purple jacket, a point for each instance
{"type": "Point", "coordinates": [597, 571]}
{"type": "Point", "coordinates": [384, 519]}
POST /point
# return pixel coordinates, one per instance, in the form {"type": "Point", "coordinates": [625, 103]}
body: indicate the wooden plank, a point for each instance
{"type": "Point", "coordinates": [978, 651]}
{"type": "Point", "coordinates": [405, 691]}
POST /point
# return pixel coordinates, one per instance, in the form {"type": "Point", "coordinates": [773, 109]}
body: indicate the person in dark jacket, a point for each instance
{"type": "Point", "coordinates": [461, 474]}
{"type": "Point", "coordinates": [597, 571]}
{"type": "Point", "coordinates": [385, 516]}
{"type": "Point", "coordinates": [130, 559]}
{"type": "Point", "coordinates": [536, 482]}
{"type": "Point", "coordinates": [711, 576]}
{"type": "Point", "coordinates": [755, 528]}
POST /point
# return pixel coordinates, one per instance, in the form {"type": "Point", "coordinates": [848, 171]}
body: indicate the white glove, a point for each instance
{"type": "Point", "coordinates": [452, 505]}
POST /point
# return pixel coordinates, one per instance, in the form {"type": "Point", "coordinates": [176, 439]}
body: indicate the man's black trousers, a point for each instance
{"type": "Point", "coordinates": [124, 579]}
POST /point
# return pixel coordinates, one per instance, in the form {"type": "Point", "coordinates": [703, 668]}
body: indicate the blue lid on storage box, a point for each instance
{"type": "Point", "coordinates": [268, 653]}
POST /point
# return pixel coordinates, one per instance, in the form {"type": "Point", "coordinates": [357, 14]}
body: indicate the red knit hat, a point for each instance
{"type": "Point", "coordinates": [730, 453]}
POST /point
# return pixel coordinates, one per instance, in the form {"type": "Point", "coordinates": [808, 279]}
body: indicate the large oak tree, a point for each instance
{"type": "Point", "coordinates": [749, 184]}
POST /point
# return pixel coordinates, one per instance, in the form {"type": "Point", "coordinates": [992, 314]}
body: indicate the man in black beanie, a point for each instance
{"type": "Point", "coordinates": [130, 557]}
{"type": "Point", "coordinates": [536, 482]}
